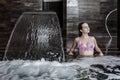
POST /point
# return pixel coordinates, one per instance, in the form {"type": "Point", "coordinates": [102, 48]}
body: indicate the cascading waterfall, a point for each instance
{"type": "Point", "coordinates": [6, 49]}
{"type": "Point", "coordinates": [36, 35]}
{"type": "Point", "coordinates": [109, 42]}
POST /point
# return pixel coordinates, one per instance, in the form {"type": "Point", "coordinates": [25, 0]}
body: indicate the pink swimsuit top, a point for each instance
{"type": "Point", "coordinates": [83, 47]}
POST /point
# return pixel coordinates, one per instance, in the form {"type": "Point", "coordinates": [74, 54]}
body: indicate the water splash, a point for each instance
{"type": "Point", "coordinates": [36, 35]}
{"type": "Point", "coordinates": [109, 42]}
{"type": "Point", "coordinates": [97, 68]}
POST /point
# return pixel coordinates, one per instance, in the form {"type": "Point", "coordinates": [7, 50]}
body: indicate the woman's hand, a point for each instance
{"type": "Point", "coordinates": [101, 54]}
{"type": "Point", "coordinates": [70, 53]}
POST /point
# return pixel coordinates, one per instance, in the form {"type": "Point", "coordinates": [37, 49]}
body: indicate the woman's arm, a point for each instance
{"type": "Point", "coordinates": [73, 47]}
{"type": "Point", "coordinates": [97, 48]}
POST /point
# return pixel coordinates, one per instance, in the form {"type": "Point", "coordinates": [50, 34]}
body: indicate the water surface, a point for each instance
{"type": "Point", "coordinates": [97, 68]}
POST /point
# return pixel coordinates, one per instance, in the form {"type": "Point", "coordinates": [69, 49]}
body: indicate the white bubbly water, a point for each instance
{"type": "Point", "coordinates": [97, 68]}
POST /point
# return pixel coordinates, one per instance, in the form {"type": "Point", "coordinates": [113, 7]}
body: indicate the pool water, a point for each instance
{"type": "Point", "coordinates": [97, 68]}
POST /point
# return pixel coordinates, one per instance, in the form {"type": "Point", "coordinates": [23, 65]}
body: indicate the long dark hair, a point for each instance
{"type": "Point", "coordinates": [80, 27]}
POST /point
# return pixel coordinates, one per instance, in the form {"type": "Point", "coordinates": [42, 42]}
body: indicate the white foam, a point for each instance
{"type": "Point", "coordinates": [45, 70]}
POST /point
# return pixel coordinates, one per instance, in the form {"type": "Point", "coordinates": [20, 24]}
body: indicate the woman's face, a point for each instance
{"type": "Point", "coordinates": [85, 28]}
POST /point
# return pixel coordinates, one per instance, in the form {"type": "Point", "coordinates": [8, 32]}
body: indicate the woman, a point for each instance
{"type": "Point", "coordinates": [85, 43]}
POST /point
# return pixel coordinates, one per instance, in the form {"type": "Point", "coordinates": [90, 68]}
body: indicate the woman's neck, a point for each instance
{"type": "Point", "coordinates": [85, 36]}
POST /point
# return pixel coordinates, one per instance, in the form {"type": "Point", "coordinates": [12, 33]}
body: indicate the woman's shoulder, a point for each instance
{"type": "Point", "coordinates": [92, 37]}
{"type": "Point", "coordinates": [77, 39]}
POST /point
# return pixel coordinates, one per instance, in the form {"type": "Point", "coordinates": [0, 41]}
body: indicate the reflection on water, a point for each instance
{"type": "Point", "coordinates": [98, 68]}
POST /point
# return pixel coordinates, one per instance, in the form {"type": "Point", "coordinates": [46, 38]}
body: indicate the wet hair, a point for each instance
{"type": "Point", "coordinates": [80, 27]}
